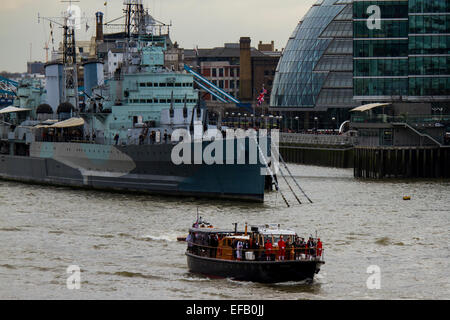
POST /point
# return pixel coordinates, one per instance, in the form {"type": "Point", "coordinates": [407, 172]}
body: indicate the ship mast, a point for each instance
{"type": "Point", "coordinates": [70, 67]}
{"type": "Point", "coordinates": [134, 17]}
{"type": "Point", "coordinates": [70, 73]}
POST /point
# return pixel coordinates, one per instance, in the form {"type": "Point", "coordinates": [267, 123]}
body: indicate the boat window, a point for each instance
{"type": "Point", "coordinates": [162, 85]}
{"type": "Point", "coordinates": [142, 84]}
{"type": "Point", "coordinates": [177, 84]}
{"type": "Point", "coordinates": [276, 238]}
{"type": "Point", "coordinates": [149, 84]}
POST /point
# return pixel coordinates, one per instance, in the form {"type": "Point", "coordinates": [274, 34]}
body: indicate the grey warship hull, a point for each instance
{"type": "Point", "coordinates": [143, 169]}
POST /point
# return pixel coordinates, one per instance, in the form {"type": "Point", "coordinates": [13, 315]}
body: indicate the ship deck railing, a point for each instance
{"type": "Point", "coordinates": [291, 254]}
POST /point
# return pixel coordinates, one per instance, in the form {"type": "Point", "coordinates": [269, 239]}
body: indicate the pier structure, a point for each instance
{"type": "Point", "coordinates": [401, 162]}
{"type": "Point", "coordinates": [400, 146]}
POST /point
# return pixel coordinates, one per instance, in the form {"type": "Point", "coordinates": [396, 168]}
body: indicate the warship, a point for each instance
{"type": "Point", "coordinates": [115, 132]}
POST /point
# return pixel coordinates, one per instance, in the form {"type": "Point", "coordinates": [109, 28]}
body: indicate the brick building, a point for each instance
{"type": "Point", "coordinates": [237, 68]}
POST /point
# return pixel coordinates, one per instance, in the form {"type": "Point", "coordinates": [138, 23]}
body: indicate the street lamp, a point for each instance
{"type": "Point", "coordinates": [298, 124]}
{"type": "Point", "coordinates": [334, 124]}
{"type": "Point", "coordinates": [316, 124]}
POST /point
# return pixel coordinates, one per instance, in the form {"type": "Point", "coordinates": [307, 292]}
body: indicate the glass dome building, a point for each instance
{"type": "Point", "coordinates": [315, 73]}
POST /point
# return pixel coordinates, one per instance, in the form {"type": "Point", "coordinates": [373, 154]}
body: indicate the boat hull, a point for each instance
{"type": "Point", "coordinates": [255, 271]}
{"type": "Point", "coordinates": [142, 169]}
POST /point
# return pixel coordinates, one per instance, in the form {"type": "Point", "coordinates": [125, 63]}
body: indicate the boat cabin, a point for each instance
{"type": "Point", "coordinates": [207, 240]}
{"type": "Point", "coordinates": [273, 233]}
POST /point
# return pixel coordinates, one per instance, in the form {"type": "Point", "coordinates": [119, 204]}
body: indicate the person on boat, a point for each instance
{"type": "Point", "coordinates": [245, 247]}
{"type": "Point", "coordinates": [281, 249]}
{"type": "Point", "coordinates": [116, 139]}
{"type": "Point", "coordinates": [319, 248]}
{"type": "Point", "coordinates": [189, 242]}
{"type": "Point", "coordinates": [233, 249]}
{"type": "Point", "coordinates": [213, 244]}
{"type": "Point", "coordinates": [255, 248]}
{"type": "Point", "coordinates": [289, 250]}
{"type": "Point", "coordinates": [297, 248]}
{"type": "Point", "coordinates": [239, 247]}
{"type": "Point", "coordinates": [307, 250]}
{"type": "Point", "coordinates": [268, 252]}
{"type": "Point", "coordinates": [312, 247]}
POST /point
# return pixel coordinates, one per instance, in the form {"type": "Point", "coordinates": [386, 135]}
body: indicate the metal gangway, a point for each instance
{"type": "Point", "coordinates": [215, 91]}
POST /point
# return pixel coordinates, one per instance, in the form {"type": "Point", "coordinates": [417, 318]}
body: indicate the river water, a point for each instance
{"type": "Point", "coordinates": [126, 247]}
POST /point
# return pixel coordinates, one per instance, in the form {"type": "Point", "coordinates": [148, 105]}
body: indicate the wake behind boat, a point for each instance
{"type": "Point", "coordinates": [266, 254]}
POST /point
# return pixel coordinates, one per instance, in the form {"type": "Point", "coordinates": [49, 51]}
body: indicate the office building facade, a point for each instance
{"type": "Point", "coordinates": [406, 58]}
{"type": "Point", "coordinates": [314, 78]}
{"type": "Point", "coordinates": [347, 53]}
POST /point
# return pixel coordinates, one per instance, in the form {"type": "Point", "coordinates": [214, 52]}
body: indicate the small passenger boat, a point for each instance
{"type": "Point", "coordinates": [265, 254]}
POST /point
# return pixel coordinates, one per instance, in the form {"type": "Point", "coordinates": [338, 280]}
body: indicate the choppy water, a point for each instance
{"type": "Point", "coordinates": [126, 245]}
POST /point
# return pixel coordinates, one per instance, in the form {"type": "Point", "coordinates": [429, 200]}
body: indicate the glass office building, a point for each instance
{"type": "Point", "coordinates": [338, 57]}
{"type": "Point", "coordinates": [406, 58]}
{"type": "Point", "coordinates": [429, 49]}
{"type": "Point", "coordinates": [315, 72]}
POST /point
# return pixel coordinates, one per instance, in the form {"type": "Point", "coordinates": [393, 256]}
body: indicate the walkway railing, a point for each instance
{"type": "Point", "coordinates": [383, 118]}
{"type": "Point", "coordinates": [317, 139]}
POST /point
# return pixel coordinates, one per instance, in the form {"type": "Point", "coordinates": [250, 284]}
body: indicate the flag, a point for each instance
{"type": "Point", "coordinates": [261, 96]}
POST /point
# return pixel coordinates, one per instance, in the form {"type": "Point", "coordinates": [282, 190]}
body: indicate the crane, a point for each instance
{"type": "Point", "coordinates": [46, 48]}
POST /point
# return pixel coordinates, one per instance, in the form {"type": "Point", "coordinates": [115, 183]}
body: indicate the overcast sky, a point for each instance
{"type": "Point", "coordinates": [206, 23]}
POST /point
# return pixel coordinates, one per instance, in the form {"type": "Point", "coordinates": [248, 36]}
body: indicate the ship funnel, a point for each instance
{"type": "Point", "coordinates": [93, 76]}
{"type": "Point", "coordinates": [54, 84]}
{"type": "Point", "coordinates": [99, 21]}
